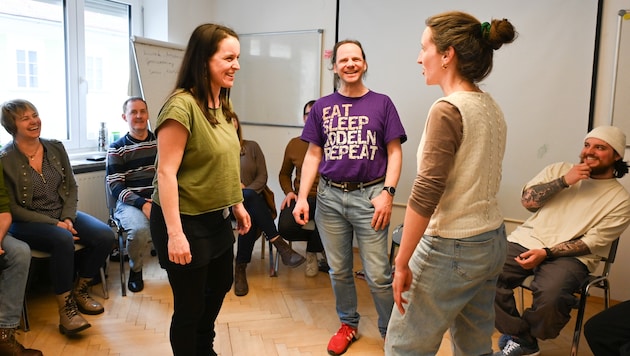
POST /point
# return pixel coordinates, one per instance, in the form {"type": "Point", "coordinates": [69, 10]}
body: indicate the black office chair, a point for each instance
{"type": "Point", "coordinates": [594, 280]}
{"type": "Point", "coordinates": [396, 237]}
{"type": "Point", "coordinates": [115, 223]}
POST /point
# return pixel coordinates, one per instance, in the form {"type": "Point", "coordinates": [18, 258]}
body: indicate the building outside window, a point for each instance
{"type": "Point", "coordinates": [72, 60]}
{"type": "Point", "coordinates": [26, 62]}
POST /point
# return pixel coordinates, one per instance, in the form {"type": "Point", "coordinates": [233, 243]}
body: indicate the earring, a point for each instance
{"type": "Point", "coordinates": [444, 66]}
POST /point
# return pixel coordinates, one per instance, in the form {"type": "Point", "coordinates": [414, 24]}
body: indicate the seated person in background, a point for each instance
{"type": "Point", "coordinates": [130, 169]}
{"type": "Point", "coordinates": [43, 197]}
{"type": "Point", "coordinates": [15, 259]}
{"type": "Point", "coordinates": [579, 210]}
{"type": "Point", "coordinates": [293, 159]}
{"type": "Point", "coordinates": [608, 332]}
{"type": "Point", "coordinates": [253, 182]}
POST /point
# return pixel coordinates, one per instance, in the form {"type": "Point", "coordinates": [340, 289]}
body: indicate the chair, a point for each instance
{"type": "Point", "coordinates": [36, 254]}
{"type": "Point", "coordinates": [115, 223]}
{"type": "Point", "coordinates": [594, 280]}
{"type": "Point", "coordinates": [396, 237]}
{"type": "Point", "coordinates": [273, 260]}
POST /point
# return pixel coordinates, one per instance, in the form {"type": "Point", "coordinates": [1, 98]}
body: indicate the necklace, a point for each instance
{"type": "Point", "coordinates": [32, 157]}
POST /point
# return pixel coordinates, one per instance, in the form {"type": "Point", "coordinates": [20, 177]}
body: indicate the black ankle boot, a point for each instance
{"type": "Point", "coordinates": [289, 257]}
{"type": "Point", "coordinates": [135, 284]}
{"type": "Point", "coordinates": [240, 280]}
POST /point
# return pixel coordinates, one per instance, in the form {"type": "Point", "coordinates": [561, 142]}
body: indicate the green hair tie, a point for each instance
{"type": "Point", "coordinates": [485, 30]}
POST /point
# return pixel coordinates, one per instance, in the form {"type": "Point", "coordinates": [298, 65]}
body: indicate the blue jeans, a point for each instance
{"type": "Point", "coordinates": [95, 235]}
{"type": "Point", "coordinates": [138, 233]}
{"type": "Point", "coordinates": [261, 221]}
{"type": "Point", "coordinates": [13, 278]}
{"type": "Point", "coordinates": [453, 287]}
{"type": "Point", "coordinates": [340, 216]}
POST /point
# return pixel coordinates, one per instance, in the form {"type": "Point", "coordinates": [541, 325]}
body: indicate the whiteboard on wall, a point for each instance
{"type": "Point", "coordinates": [157, 66]}
{"type": "Point", "coordinates": [542, 81]}
{"type": "Point", "coordinates": [280, 72]}
{"type": "Point", "coordinates": [620, 107]}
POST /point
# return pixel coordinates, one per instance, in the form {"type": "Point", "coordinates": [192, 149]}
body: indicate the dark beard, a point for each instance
{"type": "Point", "coordinates": [599, 171]}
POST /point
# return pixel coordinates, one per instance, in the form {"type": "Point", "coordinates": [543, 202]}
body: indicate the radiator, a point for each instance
{"type": "Point", "coordinates": [92, 194]}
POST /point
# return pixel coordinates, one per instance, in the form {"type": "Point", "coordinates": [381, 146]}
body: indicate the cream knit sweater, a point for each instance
{"type": "Point", "coordinates": [469, 205]}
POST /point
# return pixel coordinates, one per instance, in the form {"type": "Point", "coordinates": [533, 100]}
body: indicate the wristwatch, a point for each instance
{"type": "Point", "coordinates": [548, 252]}
{"type": "Point", "coordinates": [390, 190]}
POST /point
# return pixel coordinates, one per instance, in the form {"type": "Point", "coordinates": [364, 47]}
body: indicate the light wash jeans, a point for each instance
{"type": "Point", "coordinates": [340, 216]}
{"type": "Point", "coordinates": [13, 281]}
{"type": "Point", "coordinates": [453, 287]}
{"type": "Point", "coordinates": [136, 224]}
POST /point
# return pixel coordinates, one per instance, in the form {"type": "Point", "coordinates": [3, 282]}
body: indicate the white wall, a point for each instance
{"type": "Point", "coordinates": [247, 16]}
{"type": "Point", "coordinates": [619, 277]}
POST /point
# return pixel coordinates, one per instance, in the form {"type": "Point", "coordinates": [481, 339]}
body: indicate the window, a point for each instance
{"type": "Point", "coordinates": [71, 60]}
{"type": "Point", "coordinates": [94, 73]}
{"type": "Point", "coordinates": [26, 68]}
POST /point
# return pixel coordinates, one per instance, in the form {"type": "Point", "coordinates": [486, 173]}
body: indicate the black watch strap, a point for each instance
{"type": "Point", "coordinates": [390, 190]}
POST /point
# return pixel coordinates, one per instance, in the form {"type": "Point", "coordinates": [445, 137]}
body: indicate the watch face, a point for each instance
{"type": "Point", "coordinates": [390, 190]}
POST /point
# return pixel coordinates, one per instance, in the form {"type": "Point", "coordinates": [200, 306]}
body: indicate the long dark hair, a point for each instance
{"type": "Point", "coordinates": [194, 76]}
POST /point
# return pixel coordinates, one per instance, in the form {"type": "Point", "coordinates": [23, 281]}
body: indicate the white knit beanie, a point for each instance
{"type": "Point", "coordinates": [612, 135]}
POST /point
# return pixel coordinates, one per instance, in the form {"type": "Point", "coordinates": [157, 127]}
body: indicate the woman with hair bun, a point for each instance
{"type": "Point", "coordinates": [453, 244]}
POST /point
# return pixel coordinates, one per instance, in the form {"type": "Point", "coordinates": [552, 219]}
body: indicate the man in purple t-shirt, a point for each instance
{"type": "Point", "coordinates": [355, 138]}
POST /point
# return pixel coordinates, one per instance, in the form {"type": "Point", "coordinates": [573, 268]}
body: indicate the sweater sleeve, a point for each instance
{"type": "Point", "coordinates": [71, 202]}
{"type": "Point", "coordinates": [286, 170]}
{"type": "Point", "coordinates": [116, 175]}
{"type": "Point", "coordinates": [260, 179]}
{"type": "Point", "coordinates": [443, 137]}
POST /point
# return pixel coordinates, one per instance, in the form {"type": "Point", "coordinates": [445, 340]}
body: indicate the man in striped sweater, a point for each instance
{"type": "Point", "coordinates": [130, 169]}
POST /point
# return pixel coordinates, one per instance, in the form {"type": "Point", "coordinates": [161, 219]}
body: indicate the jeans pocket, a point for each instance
{"type": "Point", "coordinates": [477, 259]}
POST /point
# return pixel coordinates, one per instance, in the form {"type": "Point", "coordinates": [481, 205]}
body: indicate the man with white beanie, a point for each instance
{"type": "Point", "coordinates": [579, 210]}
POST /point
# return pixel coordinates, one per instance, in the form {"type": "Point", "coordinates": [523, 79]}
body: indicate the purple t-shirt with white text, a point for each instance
{"type": "Point", "coordinates": [353, 134]}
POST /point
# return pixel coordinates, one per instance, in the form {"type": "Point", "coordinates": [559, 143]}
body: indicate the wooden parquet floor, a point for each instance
{"type": "Point", "coordinates": [287, 315]}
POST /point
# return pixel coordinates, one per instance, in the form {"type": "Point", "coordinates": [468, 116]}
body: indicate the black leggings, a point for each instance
{"type": "Point", "coordinates": [197, 298]}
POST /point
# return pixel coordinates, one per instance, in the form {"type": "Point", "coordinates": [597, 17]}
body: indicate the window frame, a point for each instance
{"type": "Point", "coordinates": [78, 137]}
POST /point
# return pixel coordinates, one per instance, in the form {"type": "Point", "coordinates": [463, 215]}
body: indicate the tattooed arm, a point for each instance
{"type": "Point", "coordinates": [536, 196]}
{"type": "Point", "coordinates": [571, 248]}
{"type": "Point", "coordinates": [532, 258]}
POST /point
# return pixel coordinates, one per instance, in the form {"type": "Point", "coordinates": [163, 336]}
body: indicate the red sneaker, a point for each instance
{"type": "Point", "coordinates": [342, 339]}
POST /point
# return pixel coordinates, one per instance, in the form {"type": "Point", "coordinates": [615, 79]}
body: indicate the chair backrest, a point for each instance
{"type": "Point", "coordinates": [110, 199]}
{"type": "Point", "coordinates": [397, 234]}
{"type": "Point", "coordinates": [608, 261]}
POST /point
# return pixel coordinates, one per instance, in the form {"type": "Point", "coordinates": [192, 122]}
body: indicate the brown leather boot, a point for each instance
{"type": "Point", "coordinates": [240, 280]}
{"type": "Point", "coordinates": [86, 304]}
{"type": "Point", "coordinates": [289, 257]}
{"type": "Point", "coordinates": [70, 321]}
{"type": "Point", "coordinates": [11, 347]}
